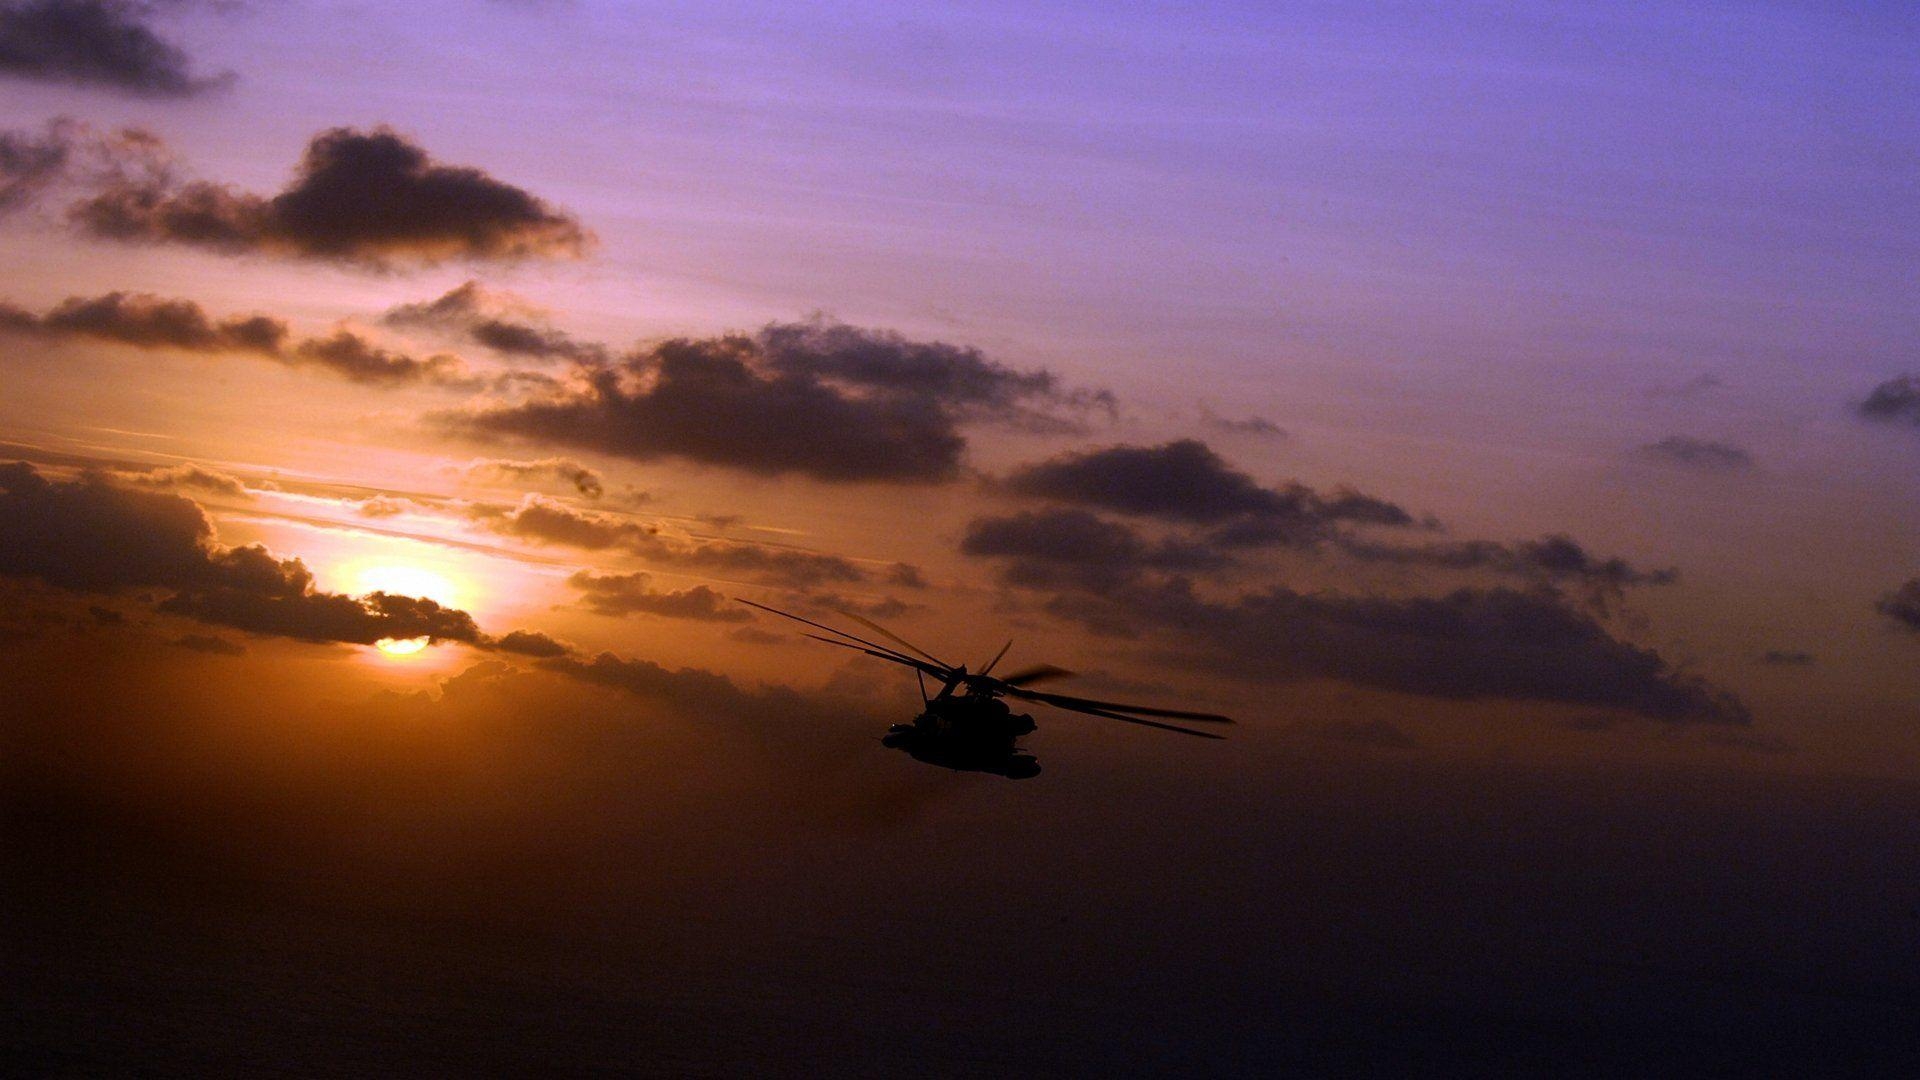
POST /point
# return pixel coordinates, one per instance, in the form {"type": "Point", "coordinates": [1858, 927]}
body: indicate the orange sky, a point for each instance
{"type": "Point", "coordinates": [1497, 413]}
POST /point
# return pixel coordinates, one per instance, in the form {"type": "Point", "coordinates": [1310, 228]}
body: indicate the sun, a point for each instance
{"type": "Point", "coordinates": [400, 646]}
{"type": "Point", "coordinates": [400, 579]}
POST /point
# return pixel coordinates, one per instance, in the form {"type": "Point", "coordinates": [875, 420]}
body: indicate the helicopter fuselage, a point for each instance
{"type": "Point", "coordinates": [969, 733]}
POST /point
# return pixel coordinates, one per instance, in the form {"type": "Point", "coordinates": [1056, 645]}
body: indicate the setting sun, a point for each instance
{"type": "Point", "coordinates": [400, 646]}
{"type": "Point", "coordinates": [402, 580]}
{"type": "Point", "coordinates": [485, 486]}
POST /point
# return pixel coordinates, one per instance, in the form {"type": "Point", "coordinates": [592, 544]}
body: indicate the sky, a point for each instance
{"type": "Point", "coordinates": [1508, 413]}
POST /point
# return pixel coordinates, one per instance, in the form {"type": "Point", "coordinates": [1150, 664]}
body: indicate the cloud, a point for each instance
{"type": "Point", "coordinates": [95, 43]}
{"type": "Point", "coordinates": [1468, 644]}
{"type": "Point", "coordinates": [497, 322]}
{"type": "Point", "coordinates": [500, 470]}
{"type": "Point", "coordinates": [885, 363]}
{"type": "Point", "coordinates": [817, 399]}
{"type": "Point", "coordinates": [1254, 427]}
{"type": "Point", "coordinates": [1216, 510]}
{"type": "Point", "coordinates": [1701, 454]}
{"type": "Point", "coordinates": [90, 535]}
{"type": "Point", "coordinates": [145, 321]}
{"type": "Point", "coordinates": [1186, 482]}
{"type": "Point", "coordinates": [368, 198]}
{"type": "Point", "coordinates": [1894, 401]}
{"type": "Point", "coordinates": [700, 691]}
{"type": "Point", "coordinates": [352, 356]}
{"type": "Point", "coordinates": [328, 617]}
{"type": "Point", "coordinates": [628, 594]}
{"type": "Point", "coordinates": [531, 643]}
{"type": "Point", "coordinates": [1075, 548]}
{"type": "Point", "coordinates": [29, 164]}
{"type": "Point", "coordinates": [547, 521]}
{"type": "Point", "coordinates": [1902, 605]}
{"type": "Point", "coordinates": [383, 506]}
{"type": "Point", "coordinates": [1532, 644]}
{"type": "Point", "coordinates": [1551, 558]}
{"type": "Point", "coordinates": [187, 476]}
{"type": "Point", "coordinates": [1786, 658]}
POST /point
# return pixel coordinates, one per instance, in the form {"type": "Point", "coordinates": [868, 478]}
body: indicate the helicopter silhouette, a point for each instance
{"type": "Point", "coordinates": [966, 726]}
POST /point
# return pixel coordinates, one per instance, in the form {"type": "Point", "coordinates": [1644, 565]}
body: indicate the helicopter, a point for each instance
{"type": "Point", "coordinates": [965, 726]}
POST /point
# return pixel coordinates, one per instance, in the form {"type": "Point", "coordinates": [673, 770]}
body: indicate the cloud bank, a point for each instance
{"type": "Point", "coordinates": [816, 399]}
{"type": "Point", "coordinates": [90, 535]}
{"type": "Point", "coordinates": [371, 198]}
{"type": "Point", "coordinates": [104, 43]}
{"type": "Point", "coordinates": [145, 321]}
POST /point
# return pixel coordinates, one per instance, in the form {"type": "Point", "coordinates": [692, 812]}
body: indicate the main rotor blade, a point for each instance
{"type": "Point", "coordinates": [1034, 674]}
{"type": "Point", "coordinates": [891, 636]}
{"type": "Point", "coordinates": [1066, 702]}
{"type": "Point", "coordinates": [907, 661]}
{"type": "Point", "coordinates": [1137, 720]}
{"type": "Point", "coordinates": [997, 656]}
{"type": "Point", "coordinates": [893, 653]}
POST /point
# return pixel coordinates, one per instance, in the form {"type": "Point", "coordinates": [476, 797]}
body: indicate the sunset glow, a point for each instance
{"type": "Point", "coordinates": [401, 646]}
{"type": "Point", "coordinates": [403, 581]}
{"type": "Point", "coordinates": [508, 507]}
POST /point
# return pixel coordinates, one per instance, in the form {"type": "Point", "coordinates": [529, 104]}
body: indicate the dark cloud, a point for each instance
{"type": "Point", "coordinates": [1468, 644]}
{"type": "Point", "coordinates": [1255, 427]}
{"type": "Point", "coordinates": [531, 643]}
{"type": "Point", "coordinates": [1186, 482]}
{"type": "Point", "coordinates": [90, 535]}
{"type": "Point", "coordinates": [1216, 510]}
{"type": "Point", "coordinates": [1701, 454]}
{"type": "Point", "coordinates": [352, 356]}
{"type": "Point", "coordinates": [1533, 644]}
{"type": "Point", "coordinates": [1894, 401]}
{"type": "Point", "coordinates": [817, 399]}
{"type": "Point", "coordinates": [144, 321]}
{"type": "Point", "coordinates": [328, 617]}
{"type": "Point", "coordinates": [29, 164]}
{"type": "Point", "coordinates": [1075, 548]}
{"type": "Point", "coordinates": [499, 470]}
{"type": "Point", "coordinates": [95, 43]}
{"type": "Point", "coordinates": [1902, 605]}
{"type": "Point", "coordinates": [491, 320]}
{"type": "Point", "coordinates": [546, 521]}
{"type": "Point", "coordinates": [1786, 658]}
{"type": "Point", "coordinates": [628, 594]}
{"type": "Point", "coordinates": [369, 198]}
{"type": "Point", "coordinates": [1551, 558]}
{"type": "Point", "coordinates": [885, 363]}
{"type": "Point", "coordinates": [696, 689]}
